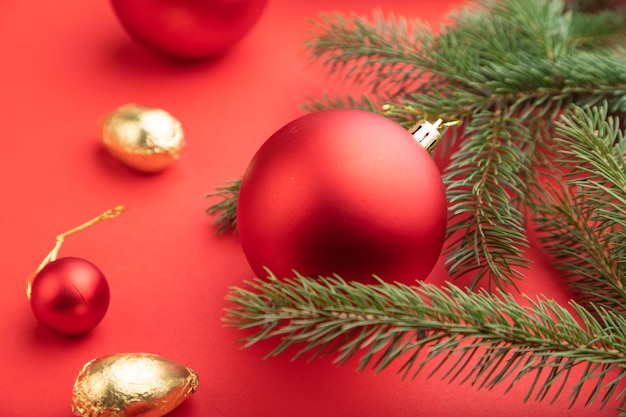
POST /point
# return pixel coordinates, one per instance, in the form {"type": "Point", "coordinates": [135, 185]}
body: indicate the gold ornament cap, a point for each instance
{"type": "Point", "coordinates": [131, 385]}
{"type": "Point", "coordinates": [145, 138]}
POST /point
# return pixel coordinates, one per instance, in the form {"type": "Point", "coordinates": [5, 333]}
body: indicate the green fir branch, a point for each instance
{"type": "Point", "coordinates": [225, 210]}
{"type": "Point", "coordinates": [385, 59]}
{"type": "Point", "coordinates": [487, 232]}
{"type": "Point", "coordinates": [582, 217]}
{"type": "Point", "coordinates": [476, 338]}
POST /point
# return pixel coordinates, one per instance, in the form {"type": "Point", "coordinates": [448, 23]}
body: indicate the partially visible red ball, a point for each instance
{"type": "Point", "coordinates": [188, 29]}
{"type": "Point", "coordinates": [70, 296]}
{"type": "Point", "coordinates": [344, 192]}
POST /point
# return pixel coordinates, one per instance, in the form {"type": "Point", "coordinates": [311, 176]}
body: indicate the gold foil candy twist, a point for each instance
{"type": "Point", "coordinates": [131, 385]}
{"type": "Point", "coordinates": [145, 138]}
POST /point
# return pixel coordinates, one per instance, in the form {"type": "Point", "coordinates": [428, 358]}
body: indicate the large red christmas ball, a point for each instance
{"type": "Point", "coordinates": [69, 296]}
{"type": "Point", "coordinates": [344, 192]}
{"type": "Point", "coordinates": [188, 29]}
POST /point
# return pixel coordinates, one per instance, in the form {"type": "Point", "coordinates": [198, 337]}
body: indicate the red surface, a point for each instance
{"type": "Point", "coordinates": [64, 64]}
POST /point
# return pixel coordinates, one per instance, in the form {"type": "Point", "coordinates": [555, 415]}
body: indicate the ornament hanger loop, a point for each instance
{"type": "Point", "coordinates": [52, 256]}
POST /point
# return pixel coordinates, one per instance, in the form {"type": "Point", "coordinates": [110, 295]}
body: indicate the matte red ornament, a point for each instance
{"type": "Point", "coordinates": [70, 296]}
{"type": "Point", "coordinates": [344, 192]}
{"type": "Point", "coordinates": [188, 29]}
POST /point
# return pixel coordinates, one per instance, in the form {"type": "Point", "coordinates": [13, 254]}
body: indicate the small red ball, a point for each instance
{"type": "Point", "coordinates": [344, 192]}
{"type": "Point", "coordinates": [70, 296]}
{"type": "Point", "coordinates": [188, 29]}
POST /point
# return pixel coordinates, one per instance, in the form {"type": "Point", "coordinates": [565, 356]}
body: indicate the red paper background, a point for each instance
{"type": "Point", "coordinates": [64, 64]}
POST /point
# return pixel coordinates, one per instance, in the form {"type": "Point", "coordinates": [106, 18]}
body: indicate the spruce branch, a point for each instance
{"type": "Point", "coordinates": [225, 209]}
{"type": "Point", "coordinates": [491, 231]}
{"type": "Point", "coordinates": [479, 203]}
{"type": "Point", "coordinates": [477, 338]}
{"type": "Point", "coordinates": [387, 59]}
{"type": "Point", "coordinates": [581, 216]}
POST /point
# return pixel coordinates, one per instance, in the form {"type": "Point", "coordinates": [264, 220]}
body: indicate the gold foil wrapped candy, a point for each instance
{"type": "Point", "coordinates": [131, 384]}
{"type": "Point", "coordinates": [144, 138]}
